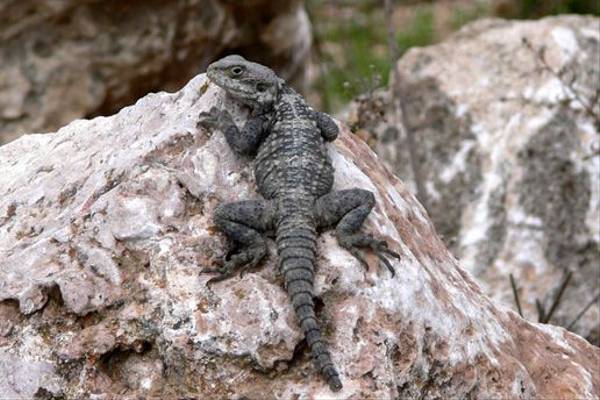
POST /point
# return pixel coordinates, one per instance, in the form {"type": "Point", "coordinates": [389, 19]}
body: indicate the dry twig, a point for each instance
{"type": "Point", "coordinates": [397, 98]}
{"type": "Point", "coordinates": [540, 310]}
{"type": "Point", "coordinates": [556, 301]}
{"type": "Point", "coordinates": [588, 107]}
{"type": "Point", "coordinates": [583, 311]}
{"type": "Point", "coordinates": [515, 294]}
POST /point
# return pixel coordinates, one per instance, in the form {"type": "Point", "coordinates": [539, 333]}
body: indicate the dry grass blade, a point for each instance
{"type": "Point", "coordinates": [515, 294]}
{"type": "Point", "coordinates": [583, 311]}
{"type": "Point", "coordinates": [556, 301]}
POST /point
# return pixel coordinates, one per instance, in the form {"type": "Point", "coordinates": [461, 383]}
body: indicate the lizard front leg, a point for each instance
{"type": "Point", "coordinates": [244, 141]}
{"type": "Point", "coordinates": [329, 129]}
{"type": "Point", "coordinates": [244, 223]}
{"type": "Point", "coordinates": [347, 209]}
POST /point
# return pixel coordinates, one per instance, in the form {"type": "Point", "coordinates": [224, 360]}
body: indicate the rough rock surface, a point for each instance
{"type": "Point", "coordinates": [67, 59]}
{"type": "Point", "coordinates": [504, 147]}
{"type": "Point", "coordinates": [106, 224]}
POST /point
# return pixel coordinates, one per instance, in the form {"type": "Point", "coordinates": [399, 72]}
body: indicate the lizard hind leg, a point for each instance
{"type": "Point", "coordinates": [348, 209]}
{"type": "Point", "coordinates": [244, 223]}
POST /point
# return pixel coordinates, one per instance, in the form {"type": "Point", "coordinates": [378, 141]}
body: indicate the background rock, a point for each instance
{"type": "Point", "coordinates": [506, 131]}
{"type": "Point", "coordinates": [67, 59]}
{"type": "Point", "coordinates": [106, 224]}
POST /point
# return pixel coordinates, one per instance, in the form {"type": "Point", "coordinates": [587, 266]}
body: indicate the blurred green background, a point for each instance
{"type": "Point", "coordinates": [350, 36]}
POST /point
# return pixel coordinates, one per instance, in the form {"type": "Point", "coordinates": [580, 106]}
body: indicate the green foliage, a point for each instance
{"type": "Point", "coordinates": [352, 41]}
{"type": "Point", "coordinates": [365, 62]}
{"type": "Point", "coordinates": [420, 32]}
{"type": "Point", "coordinates": [463, 15]}
{"type": "Point", "coordinates": [539, 8]}
{"type": "Point", "coordinates": [357, 59]}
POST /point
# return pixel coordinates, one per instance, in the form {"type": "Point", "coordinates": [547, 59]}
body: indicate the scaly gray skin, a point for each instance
{"type": "Point", "coordinates": [294, 175]}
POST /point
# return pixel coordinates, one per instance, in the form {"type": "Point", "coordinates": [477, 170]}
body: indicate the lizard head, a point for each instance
{"type": "Point", "coordinates": [250, 83]}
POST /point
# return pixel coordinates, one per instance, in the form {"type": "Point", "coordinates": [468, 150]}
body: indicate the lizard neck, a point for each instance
{"type": "Point", "coordinates": [283, 91]}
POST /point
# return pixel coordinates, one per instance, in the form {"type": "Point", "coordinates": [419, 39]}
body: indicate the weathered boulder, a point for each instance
{"type": "Point", "coordinates": [505, 133]}
{"type": "Point", "coordinates": [61, 60]}
{"type": "Point", "coordinates": [106, 224]}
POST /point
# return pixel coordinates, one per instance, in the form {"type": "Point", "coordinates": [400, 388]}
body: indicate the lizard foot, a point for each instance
{"type": "Point", "coordinates": [242, 262]}
{"type": "Point", "coordinates": [354, 242]}
{"type": "Point", "coordinates": [214, 118]}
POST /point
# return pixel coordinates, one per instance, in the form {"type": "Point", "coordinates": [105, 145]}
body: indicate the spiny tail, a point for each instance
{"type": "Point", "coordinates": [296, 246]}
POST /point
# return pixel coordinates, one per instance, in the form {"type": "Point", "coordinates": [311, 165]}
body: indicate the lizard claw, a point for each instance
{"type": "Point", "coordinates": [242, 262]}
{"type": "Point", "coordinates": [218, 278]}
{"type": "Point", "coordinates": [381, 250]}
{"type": "Point", "coordinates": [379, 247]}
{"type": "Point", "coordinates": [359, 256]}
{"type": "Point", "coordinates": [248, 267]}
{"type": "Point", "coordinates": [386, 262]}
{"type": "Point", "coordinates": [222, 268]}
{"type": "Point", "coordinates": [214, 119]}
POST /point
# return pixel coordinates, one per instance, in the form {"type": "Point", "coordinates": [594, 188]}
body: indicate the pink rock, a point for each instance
{"type": "Point", "coordinates": [125, 203]}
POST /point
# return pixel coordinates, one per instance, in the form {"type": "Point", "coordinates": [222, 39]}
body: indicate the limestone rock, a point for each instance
{"type": "Point", "coordinates": [67, 59]}
{"type": "Point", "coordinates": [105, 226]}
{"type": "Point", "coordinates": [505, 146]}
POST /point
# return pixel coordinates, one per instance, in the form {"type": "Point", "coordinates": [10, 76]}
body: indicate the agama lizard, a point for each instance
{"type": "Point", "coordinates": [294, 174]}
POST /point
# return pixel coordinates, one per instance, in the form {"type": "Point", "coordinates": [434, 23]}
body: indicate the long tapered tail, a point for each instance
{"type": "Point", "coordinates": [296, 246]}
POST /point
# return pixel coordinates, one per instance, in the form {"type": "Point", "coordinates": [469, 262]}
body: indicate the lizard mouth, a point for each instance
{"type": "Point", "coordinates": [234, 88]}
{"type": "Point", "coordinates": [243, 96]}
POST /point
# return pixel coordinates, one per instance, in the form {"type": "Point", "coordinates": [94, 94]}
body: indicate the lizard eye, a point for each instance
{"type": "Point", "coordinates": [261, 87]}
{"type": "Point", "coordinates": [237, 71]}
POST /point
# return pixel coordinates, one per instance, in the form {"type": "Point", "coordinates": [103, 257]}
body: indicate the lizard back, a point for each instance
{"type": "Point", "coordinates": [293, 168]}
{"type": "Point", "coordinates": [293, 157]}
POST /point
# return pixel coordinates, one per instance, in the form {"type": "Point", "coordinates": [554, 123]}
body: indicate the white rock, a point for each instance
{"type": "Point", "coordinates": [513, 187]}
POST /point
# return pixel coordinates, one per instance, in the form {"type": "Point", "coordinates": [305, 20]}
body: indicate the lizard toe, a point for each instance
{"type": "Point", "coordinates": [380, 247]}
